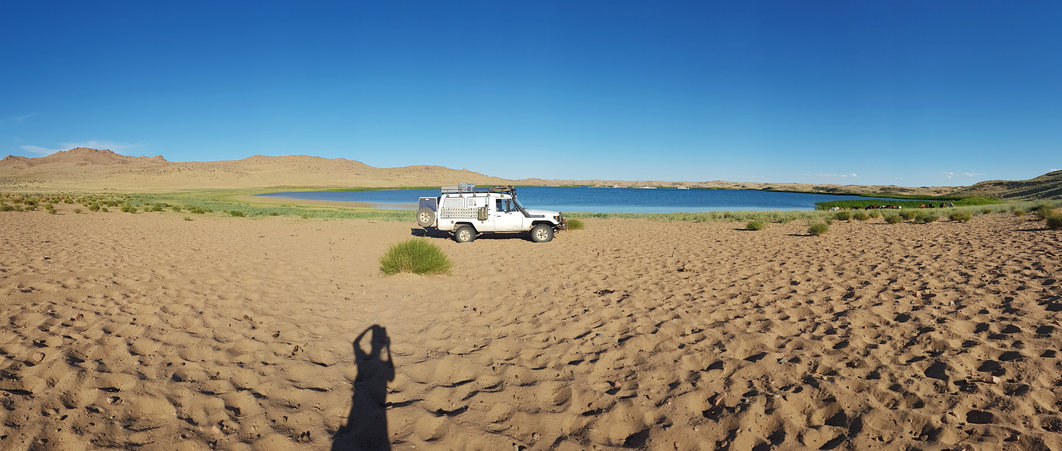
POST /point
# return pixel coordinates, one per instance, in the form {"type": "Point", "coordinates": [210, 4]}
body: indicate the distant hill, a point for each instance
{"type": "Point", "coordinates": [93, 169]}
{"type": "Point", "coordinates": [84, 169]}
{"type": "Point", "coordinates": [1043, 187]}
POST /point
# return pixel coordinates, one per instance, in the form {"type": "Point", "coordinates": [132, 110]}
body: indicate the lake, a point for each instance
{"type": "Point", "coordinates": [600, 200]}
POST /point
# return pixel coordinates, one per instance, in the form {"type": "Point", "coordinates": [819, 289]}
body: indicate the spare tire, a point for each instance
{"type": "Point", "coordinates": [425, 217]}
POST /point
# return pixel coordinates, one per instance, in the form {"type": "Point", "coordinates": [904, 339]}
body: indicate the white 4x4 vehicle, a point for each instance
{"type": "Point", "coordinates": [467, 212]}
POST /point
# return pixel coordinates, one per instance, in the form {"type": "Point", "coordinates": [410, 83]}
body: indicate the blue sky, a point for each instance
{"type": "Point", "coordinates": [862, 92]}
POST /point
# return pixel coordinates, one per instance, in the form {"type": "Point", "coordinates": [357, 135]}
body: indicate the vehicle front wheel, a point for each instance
{"type": "Point", "coordinates": [464, 234]}
{"type": "Point", "coordinates": [541, 233]}
{"type": "Point", "coordinates": [425, 217]}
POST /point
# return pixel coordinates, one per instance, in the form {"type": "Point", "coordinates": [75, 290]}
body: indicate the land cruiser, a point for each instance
{"type": "Point", "coordinates": [467, 212]}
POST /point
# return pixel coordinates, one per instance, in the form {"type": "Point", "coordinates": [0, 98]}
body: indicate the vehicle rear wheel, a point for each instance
{"type": "Point", "coordinates": [425, 217]}
{"type": "Point", "coordinates": [541, 233]}
{"type": "Point", "coordinates": [464, 234]}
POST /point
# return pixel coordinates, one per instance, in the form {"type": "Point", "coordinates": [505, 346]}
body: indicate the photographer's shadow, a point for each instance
{"type": "Point", "coordinates": [366, 427]}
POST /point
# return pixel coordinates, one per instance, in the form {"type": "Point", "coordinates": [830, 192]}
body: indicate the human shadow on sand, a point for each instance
{"type": "Point", "coordinates": [366, 427]}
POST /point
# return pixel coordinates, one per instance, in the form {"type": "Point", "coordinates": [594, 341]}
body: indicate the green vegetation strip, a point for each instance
{"type": "Point", "coordinates": [238, 203]}
{"type": "Point", "coordinates": [928, 200]}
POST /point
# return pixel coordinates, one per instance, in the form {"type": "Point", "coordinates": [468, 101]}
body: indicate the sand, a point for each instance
{"type": "Point", "coordinates": [149, 331]}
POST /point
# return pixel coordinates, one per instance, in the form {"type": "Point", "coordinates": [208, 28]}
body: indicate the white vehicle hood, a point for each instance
{"type": "Point", "coordinates": [544, 213]}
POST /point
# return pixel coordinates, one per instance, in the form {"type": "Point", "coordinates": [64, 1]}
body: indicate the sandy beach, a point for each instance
{"type": "Point", "coordinates": [153, 332]}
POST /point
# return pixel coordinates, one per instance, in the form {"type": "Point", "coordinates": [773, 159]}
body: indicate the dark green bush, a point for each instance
{"type": "Point", "coordinates": [818, 229]}
{"type": "Point", "coordinates": [237, 213]}
{"type": "Point", "coordinates": [752, 225]}
{"type": "Point", "coordinates": [415, 255]}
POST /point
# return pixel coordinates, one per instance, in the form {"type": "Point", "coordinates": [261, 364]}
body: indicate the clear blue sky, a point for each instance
{"type": "Point", "coordinates": [866, 92]}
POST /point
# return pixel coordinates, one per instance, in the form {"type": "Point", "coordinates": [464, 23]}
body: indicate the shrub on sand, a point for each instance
{"type": "Point", "coordinates": [928, 217]}
{"type": "Point", "coordinates": [187, 218]}
{"type": "Point", "coordinates": [842, 216]}
{"type": "Point", "coordinates": [1019, 212]}
{"type": "Point", "coordinates": [754, 225]}
{"type": "Point", "coordinates": [1054, 222]}
{"type": "Point", "coordinates": [417, 256]}
{"type": "Point", "coordinates": [236, 213]}
{"type": "Point", "coordinates": [861, 216]}
{"type": "Point", "coordinates": [818, 229]}
{"type": "Point", "coordinates": [986, 211]}
{"type": "Point", "coordinates": [960, 216]}
{"type": "Point", "coordinates": [575, 224]}
{"type": "Point", "coordinates": [893, 219]}
{"type": "Point", "coordinates": [909, 215]}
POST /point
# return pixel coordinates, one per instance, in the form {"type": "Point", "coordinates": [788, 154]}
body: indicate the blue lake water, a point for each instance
{"type": "Point", "coordinates": [600, 200]}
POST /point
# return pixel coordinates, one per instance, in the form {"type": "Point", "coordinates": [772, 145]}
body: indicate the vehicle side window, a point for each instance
{"type": "Point", "coordinates": [498, 206]}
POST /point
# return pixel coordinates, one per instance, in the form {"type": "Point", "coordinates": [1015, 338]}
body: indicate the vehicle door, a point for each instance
{"type": "Point", "coordinates": [506, 217]}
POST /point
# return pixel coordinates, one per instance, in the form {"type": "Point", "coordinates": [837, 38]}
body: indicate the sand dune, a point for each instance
{"type": "Point", "coordinates": [149, 331]}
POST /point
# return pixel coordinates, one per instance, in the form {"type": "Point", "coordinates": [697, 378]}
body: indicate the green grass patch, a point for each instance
{"type": "Point", "coordinates": [935, 201]}
{"type": "Point", "coordinates": [576, 224]}
{"type": "Point", "coordinates": [927, 218]}
{"type": "Point", "coordinates": [237, 213]}
{"type": "Point", "coordinates": [1054, 222]}
{"type": "Point", "coordinates": [818, 229]}
{"type": "Point", "coordinates": [893, 219]}
{"type": "Point", "coordinates": [860, 216]}
{"type": "Point", "coordinates": [1019, 212]}
{"type": "Point", "coordinates": [960, 216]}
{"type": "Point", "coordinates": [416, 256]}
{"type": "Point", "coordinates": [754, 225]}
{"type": "Point", "coordinates": [842, 216]}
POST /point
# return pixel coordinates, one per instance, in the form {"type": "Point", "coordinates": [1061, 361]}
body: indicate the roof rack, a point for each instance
{"type": "Point", "coordinates": [471, 188]}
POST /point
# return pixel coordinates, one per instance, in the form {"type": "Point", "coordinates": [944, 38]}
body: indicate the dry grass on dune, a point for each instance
{"type": "Point", "coordinates": [150, 331]}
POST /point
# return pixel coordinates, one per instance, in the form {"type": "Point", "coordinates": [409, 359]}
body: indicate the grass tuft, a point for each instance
{"type": "Point", "coordinates": [237, 213]}
{"type": "Point", "coordinates": [960, 216]}
{"type": "Point", "coordinates": [861, 216]}
{"type": "Point", "coordinates": [576, 224]}
{"type": "Point", "coordinates": [417, 256]}
{"type": "Point", "coordinates": [1019, 212]}
{"type": "Point", "coordinates": [909, 215]}
{"type": "Point", "coordinates": [818, 229]}
{"type": "Point", "coordinates": [187, 218]}
{"type": "Point", "coordinates": [927, 218]}
{"type": "Point", "coordinates": [842, 216]}
{"type": "Point", "coordinates": [754, 225]}
{"type": "Point", "coordinates": [1054, 222]}
{"type": "Point", "coordinates": [893, 219]}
